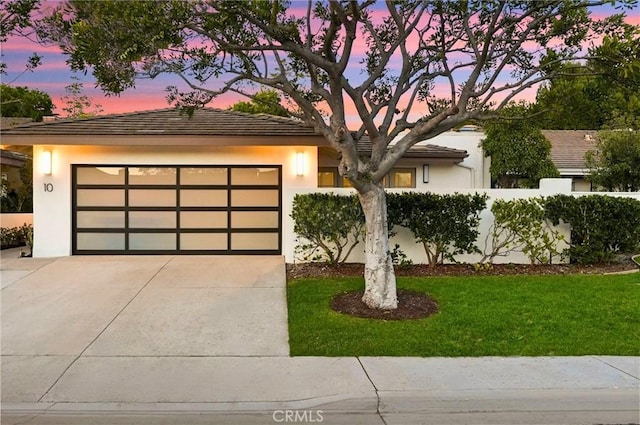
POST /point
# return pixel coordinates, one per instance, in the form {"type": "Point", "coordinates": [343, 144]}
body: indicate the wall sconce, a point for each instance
{"type": "Point", "coordinates": [45, 162]}
{"type": "Point", "coordinates": [300, 164]}
{"type": "Point", "coordinates": [425, 173]}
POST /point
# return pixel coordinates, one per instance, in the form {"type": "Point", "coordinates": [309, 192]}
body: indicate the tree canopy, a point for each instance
{"type": "Point", "coordinates": [24, 102]}
{"type": "Point", "coordinates": [603, 92]}
{"type": "Point", "coordinates": [424, 68]}
{"type": "Point", "coordinates": [263, 102]}
{"type": "Point", "coordinates": [615, 162]}
{"type": "Point", "coordinates": [520, 154]}
{"type": "Point", "coordinates": [76, 104]}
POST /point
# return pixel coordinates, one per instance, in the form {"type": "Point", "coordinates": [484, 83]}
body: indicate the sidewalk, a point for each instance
{"type": "Point", "coordinates": [591, 389]}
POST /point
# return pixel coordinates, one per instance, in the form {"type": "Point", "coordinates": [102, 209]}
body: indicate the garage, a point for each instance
{"type": "Point", "coordinates": [181, 209]}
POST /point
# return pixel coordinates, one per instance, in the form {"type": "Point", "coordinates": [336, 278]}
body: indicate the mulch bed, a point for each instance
{"type": "Point", "coordinates": [311, 270]}
{"type": "Point", "coordinates": [416, 305]}
{"type": "Point", "coordinates": [411, 305]}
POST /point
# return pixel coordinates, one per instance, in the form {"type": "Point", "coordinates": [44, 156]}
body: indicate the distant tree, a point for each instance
{"type": "Point", "coordinates": [15, 19]}
{"type": "Point", "coordinates": [263, 102]}
{"type": "Point", "coordinates": [78, 105]}
{"type": "Point", "coordinates": [24, 102]}
{"type": "Point", "coordinates": [615, 163]}
{"type": "Point", "coordinates": [591, 96]}
{"type": "Point", "coordinates": [520, 154]}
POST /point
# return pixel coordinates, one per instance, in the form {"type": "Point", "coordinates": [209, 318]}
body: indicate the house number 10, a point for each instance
{"type": "Point", "coordinates": [48, 187]}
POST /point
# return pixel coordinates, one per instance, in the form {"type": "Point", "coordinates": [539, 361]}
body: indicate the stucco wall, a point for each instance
{"type": "Point", "coordinates": [52, 209]}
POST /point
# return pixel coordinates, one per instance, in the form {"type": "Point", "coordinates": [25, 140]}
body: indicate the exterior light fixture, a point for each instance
{"type": "Point", "coordinates": [45, 162]}
{"type": "Point", "coordinates": [425, 173]}
{"type": "Point", "coordinates": [300, 164]}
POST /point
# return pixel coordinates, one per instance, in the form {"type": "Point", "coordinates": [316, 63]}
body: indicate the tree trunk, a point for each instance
{"type": "Point", "coordinates": [379, 276]}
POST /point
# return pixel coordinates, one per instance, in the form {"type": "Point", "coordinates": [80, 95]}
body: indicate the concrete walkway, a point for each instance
{"type": "Point", "coordinates": [195, 340]}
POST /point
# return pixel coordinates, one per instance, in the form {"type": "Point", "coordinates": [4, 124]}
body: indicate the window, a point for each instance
{"type": "Point", "coordinates": [398, 177]}
{"type": "Point", "coordinates": [327, 177]}
{"type": "Point", "coordinates": [402, 177]}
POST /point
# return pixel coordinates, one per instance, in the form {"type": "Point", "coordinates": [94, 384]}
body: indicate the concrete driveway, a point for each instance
{"type": "Point", "coordinates": [67, 311]}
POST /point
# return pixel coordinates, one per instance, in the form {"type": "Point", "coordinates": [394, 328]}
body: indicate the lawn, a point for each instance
{"type": "Point", "coordinates": [479, 316]}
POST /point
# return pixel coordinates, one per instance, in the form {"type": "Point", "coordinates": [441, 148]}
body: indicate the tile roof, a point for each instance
{"type": "Point", "coordinates": [568, 147]}
{"type": "Point", "coordinates": [170, 121]}
{"type": "Point", "coordinates": [421, 151]}
{"type": "Point", "coordinates": [8, 122]}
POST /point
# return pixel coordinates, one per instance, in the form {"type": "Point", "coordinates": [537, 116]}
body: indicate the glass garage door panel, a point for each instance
{"type": "Point", "coordinates": [100, 197]}
{"type": "Point", "coordinates": [100, 241]}
{"type": "Point", "coordinates": [203, 241]}
{"type": "Point", "coordinates": [104, 219]}
{"type": "Point", "coordinates": [152, 175]}
{"type": "Point", "coordinates": [255, 198]}
{"type": "Point", "coordinates": [100, 175]}
{"type": "Point", "coordinates": [152, 198]}
{"type": "Point", "coordinates": [203, 219]}
{"type": "Point", "coordinates": [152, 241]}
{"type": "Point", "coordinates": [152, 219]}
{"type": "Point", "coordinates": [203, 176]}
{"type": "Point", "coordinates": [255, 176]}
{"type": "Point", "coordinates": [254, 219]}
{"type": "Point", "coordinates": [203, 198]}
{"type": "Point", "coordinates": [254, 241]}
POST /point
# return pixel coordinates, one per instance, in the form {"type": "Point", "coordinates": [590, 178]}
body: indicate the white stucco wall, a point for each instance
{"type": "Point", "coordinates": [52, 209]}
{"type": "Point", "coordinates": [476, 165]}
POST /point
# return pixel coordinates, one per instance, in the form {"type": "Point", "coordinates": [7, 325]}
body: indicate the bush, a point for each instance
{"type": "Point", "coordinates": [601, 226]}
{"type": "Point", "coordinates": [521, 225]}
{"type": "Point", "coordinates": [330, 226]}
{"type": "Point", "coordinates": [11, 237]}
{"type": "Point", "coordinates": [446, 225]}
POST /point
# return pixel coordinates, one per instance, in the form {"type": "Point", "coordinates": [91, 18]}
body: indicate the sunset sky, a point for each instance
{"type": "Point", "coordinates": [53, 75]}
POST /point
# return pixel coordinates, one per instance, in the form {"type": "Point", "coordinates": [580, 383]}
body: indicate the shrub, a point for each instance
{"type": "Point", "coordinates": [446, 225]}
{"type": "Point", "coordinates": [330, 226]}
{"type": "Point", "coordinates": [521, 225]}
{"type": "Point", "coordinates": [11, 237]}
{"type": "Point", "coordinates": [601, 225]}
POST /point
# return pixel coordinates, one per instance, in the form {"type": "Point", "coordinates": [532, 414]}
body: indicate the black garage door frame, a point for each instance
{"type": "Point", "coordinates": [126, 208]}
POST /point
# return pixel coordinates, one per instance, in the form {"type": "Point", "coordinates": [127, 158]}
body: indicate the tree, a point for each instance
{"type": "Point", "coordinates": [263, 102]}
{"type": "Point", "coordinates": [15, 19]}
{"type": "Point", "coordinates": [403, 49]}
{"type": "Point", "coordinates": [520, 154]}
{"type": "Point", "coordinates": [24, 102]}
{"type": "Point", "coordinates": [77, 104]}
{"type": "Point", "coordinates": [615, 163]}
{"type": "Point", "coordinates": [593, 95]}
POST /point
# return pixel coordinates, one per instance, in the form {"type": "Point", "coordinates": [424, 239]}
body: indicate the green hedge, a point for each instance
{"type": "Point", "coordinates": [330, 226]}
{"type": "Point", "coordinates": [601, 226]}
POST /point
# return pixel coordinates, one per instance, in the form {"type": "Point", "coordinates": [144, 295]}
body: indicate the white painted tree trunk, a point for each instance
{"type": "Point", "coordinates": [379, 276]}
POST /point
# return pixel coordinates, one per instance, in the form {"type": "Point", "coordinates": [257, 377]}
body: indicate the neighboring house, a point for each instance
{"type": "Point", "coordinates": [13, 158]}
{"type": "Point", "coordinates": [568, 148]}
{"type": "Point", "coordinates": [10, 165]}
{"type": "Point", "coordinates": [160, 182]}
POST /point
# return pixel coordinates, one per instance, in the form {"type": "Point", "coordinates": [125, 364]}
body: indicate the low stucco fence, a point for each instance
{"type": "Point", "coordinates": [415, 251]}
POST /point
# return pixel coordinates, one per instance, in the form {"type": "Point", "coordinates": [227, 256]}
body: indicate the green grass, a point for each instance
{"type": "Point", "coordinates": [479, 316]}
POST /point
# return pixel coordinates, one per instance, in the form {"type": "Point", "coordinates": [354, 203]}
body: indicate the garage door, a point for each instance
{"type": "Point", "coordinates": [177, 209]}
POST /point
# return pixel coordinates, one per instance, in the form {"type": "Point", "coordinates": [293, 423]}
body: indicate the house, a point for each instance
{"type": "Point", "coordinates": [568, 149]}
{"type": "Point", "coordinates": [159, 182]}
